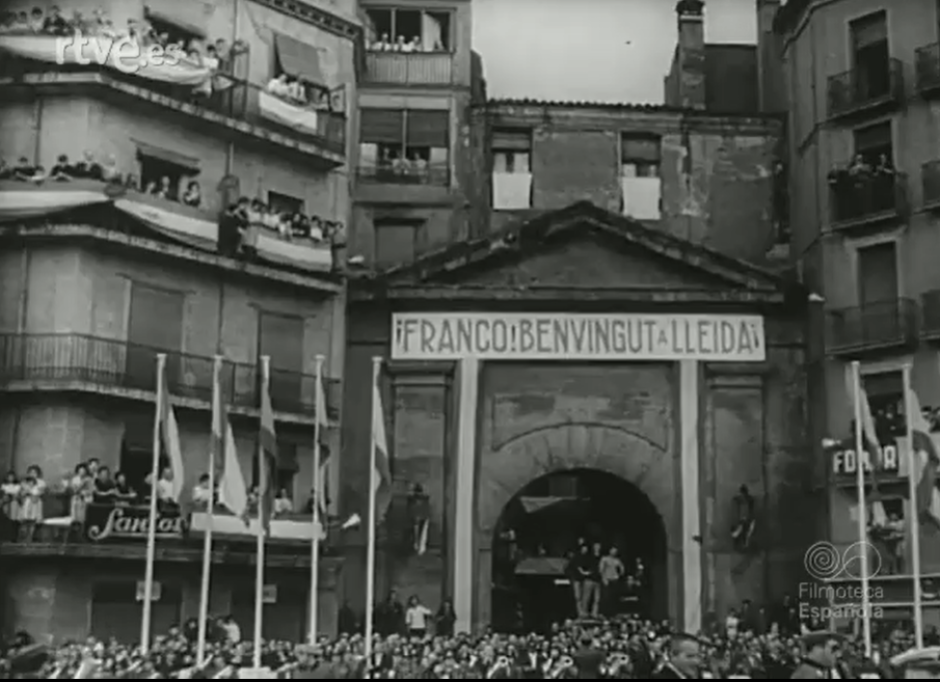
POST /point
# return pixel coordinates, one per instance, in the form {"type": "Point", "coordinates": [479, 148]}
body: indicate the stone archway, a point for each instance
{"type": "Point", "coordinates": [504, 471]}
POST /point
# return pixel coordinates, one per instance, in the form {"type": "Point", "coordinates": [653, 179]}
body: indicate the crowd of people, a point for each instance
{"type": "Point", "coordinates": [24, 508]}
{"type": "Point", "coordinates": [863, 187]}
{"type": "Point", "coordinates": [237, 222]}
{"type": "Point", "coordinates": [414, 643]}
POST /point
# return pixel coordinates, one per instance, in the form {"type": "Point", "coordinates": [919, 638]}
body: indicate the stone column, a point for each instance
{"type": "Point", "coordinates": [468, 381]}
{"type": "Point", "coordinates": [691, 541]}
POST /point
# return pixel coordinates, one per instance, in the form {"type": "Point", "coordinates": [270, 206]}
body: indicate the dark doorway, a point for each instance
{"type": "Point", "coordinates": [872, 56]}
{"type": "Point", "coordinates": [537, 540]}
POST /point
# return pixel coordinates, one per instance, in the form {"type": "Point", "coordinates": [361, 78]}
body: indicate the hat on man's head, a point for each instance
{"type": "Point", "coordinates": [811, 640]}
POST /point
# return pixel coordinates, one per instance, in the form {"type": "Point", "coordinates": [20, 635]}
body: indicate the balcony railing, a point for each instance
{"type": "Point", "coordinates": [240, 102]}
{"type": "Point", "coordinates": [437, 175]}
{"type": "Point", "coordinates": [927, 69]}
{"type": "Point", "coordinates": [872, 326]}
{"type": "Point", "coordinates": [866, 197]}
{"type": "Point", "coordinates": [930, 315]}
{"type": "Point", "coordinates": [864, 89]}
{"type": "Point", "coordinates": [110, 363]}
{"type": "Point", "coordinates": [409, 68]}
{"type": "Point", "coordinates": [930, 183]}
{"type": "Point", "coordinates": [102, 526]}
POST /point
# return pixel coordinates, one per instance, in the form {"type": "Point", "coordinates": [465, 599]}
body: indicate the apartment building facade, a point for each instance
{"type": "Point", "coordinates": [861, 82]}
{"type": "Point", "coordinates": [115, 197]}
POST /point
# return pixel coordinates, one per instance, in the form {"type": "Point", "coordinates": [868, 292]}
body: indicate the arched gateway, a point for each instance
{"type": "Point", "coordinates": [605, 483]}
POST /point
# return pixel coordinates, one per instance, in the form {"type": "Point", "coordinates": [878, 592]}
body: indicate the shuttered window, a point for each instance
{"type": "Point", "coordinates": [870, 30]}
{"type": "Point", "coordinates": [641, 149]}
{"type": "Point", "coordinates": [381, 126]}
{"type": "Point", "coordinates": [427, 128]}
{"type": "Point", "coordinates": [281, 337]}
{"type": "Point", "coordinates": [508, 140]}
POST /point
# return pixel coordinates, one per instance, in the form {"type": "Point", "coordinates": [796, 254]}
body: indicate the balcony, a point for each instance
{"type": "Point", "coordinates": [927, 70]}
{"type": "Point", "coordinates": [80, 362]}
{"type": "Point", "coordinates": [237, 108]}
{"type": "Point", "coordinates": [435, 175]}
{"type": "Point", "coordinates": [865, 199]}
{"type": "Point", "coordinates": [930, 316]}
{"type": "Point", "coordinates": [872, 327]}
{"type": "Point", "coordinates": [409, 68]}
{"type": "Point", "coordinates": [860, 91]}
{"type": "Point", "coordinates": [120, 531]}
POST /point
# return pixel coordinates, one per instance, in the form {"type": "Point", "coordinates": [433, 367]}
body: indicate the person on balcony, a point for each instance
{"type": "Point", "coordinates": [193, 195]}
{"type": "Point", "coordinates": [10, 505]}
{"type": "Point", "coordinates": [283, 505]}
{"type": "Point", "coordinates": [31, 499]}
{"type": "Point", "coordinates": [202, 493]}
{"type": "Point", "coordinates": [88, 168]}
{"type": "Point", "coordinates": [124, 494]}
{"type": "Point", "coordinates": [166, 490]}
{"type": "Point", "coordinates": [105, 491]}
{"type": "Point", "coordinates": [81, 488]}
{"type": "Point", "coordinates": [279, 86]}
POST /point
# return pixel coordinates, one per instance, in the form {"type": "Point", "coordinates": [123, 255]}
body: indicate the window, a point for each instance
{"type": "Point", "coordinates": [285, 203]}
{"type": "Point", "coordinates": [300, 62]}
{"type": "Point", "coordinates": [395, 242]}
{"type": "Point", "coordinates": [641, 187]}
{"type": "Point", "coordinates": [281, 337]}
{"type": "Point", "coordinates": [406, 30]}
{"type": "Point", "coordinates": [163, 176]}
{"type": "Point", "coordinates": [406, 147]}
{"type": "Point", "coordinates": [885, 394]}
{"type": "Point", "coordinates": [874, 144]}
{"type": "Point", "coordinates": [512, 169]}
{"type": "Point", "coordinates": [877, 274]}
{"type": "Point", "coordinates": [155, 324]}
{"type": "Point", "coordinates": [871, 56]}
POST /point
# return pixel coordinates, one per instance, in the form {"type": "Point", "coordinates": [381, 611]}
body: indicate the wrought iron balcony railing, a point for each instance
{"type": "Point", "coordinates": [865, 88]}
{"type": "Point", "coordinates": [927, 69]}
{"type": "Point", "coordinates": [239, 102]}
{"type": "Point", "coordinates": [872, 326]}
{"type": "Point", "coordinates": [858, 198]}
{"type": "Point", "coordinates": [409, 68]}
{"type": "Point", "coordinates": [930, 183]}
{"type": "Point", "coordinates": [437, 175]}
{"type": "Point", "coordinates": [930, 315]}
{"type": "Point", "coordinates": [78, 358]}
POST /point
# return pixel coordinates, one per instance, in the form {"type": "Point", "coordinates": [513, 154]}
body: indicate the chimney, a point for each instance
{"type": "Point", "coordinates": [770, 80]}
{"type": "Point", "coordinates": [691, 54]}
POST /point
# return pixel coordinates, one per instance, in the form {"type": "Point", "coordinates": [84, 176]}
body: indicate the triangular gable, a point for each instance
{"type": "Point", "coordinates": [619, 242]}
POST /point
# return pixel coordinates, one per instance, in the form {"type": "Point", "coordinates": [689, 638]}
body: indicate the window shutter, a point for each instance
{"type": "Point", "coordinates": [512, 140]}
{"type": "Point", "coordinates": [645, 149]}
{"type": "Point", "coordinates": [870, 30]}
{"type": "Point", "coordinates": [381, 126]}
{"type": "Point", "coordinates": [428, 128]}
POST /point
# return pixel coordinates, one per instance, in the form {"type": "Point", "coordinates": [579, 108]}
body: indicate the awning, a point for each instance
{"type": "Point", "coordinates": [536, 504]}
{"type": "Point", "coordinates": [542, 565]}
{"type": "Point", "coordinates": [177, 159]}
{"type": "Point", "coordinates": [298, 59]}
{"type": "Point", "coordinates": [189, 15]}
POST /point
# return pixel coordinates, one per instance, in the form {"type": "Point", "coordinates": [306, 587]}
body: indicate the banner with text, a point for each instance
{"type": "Point", "coordinates": [562, 336]}
{"type": "Point", "coordinates": [104, 522]}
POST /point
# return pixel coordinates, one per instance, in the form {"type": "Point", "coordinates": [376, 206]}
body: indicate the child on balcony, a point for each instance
{"type": "Point", "coordinates": [10, 505]}
{"type": "Point", "coordinates": [31, 497]}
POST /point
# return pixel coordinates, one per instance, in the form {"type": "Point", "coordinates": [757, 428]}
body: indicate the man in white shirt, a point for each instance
{"type": "Point", "coordinates": [612, 571]}
{"type": "Point", "coordinates": [416, 618]}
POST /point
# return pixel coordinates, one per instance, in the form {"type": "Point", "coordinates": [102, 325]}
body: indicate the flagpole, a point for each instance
{"type": "Point", "coordinates": [152, 525]}
{"type": "Point", "coordinates": [210, 509]}
{"type": "Point", "coordinates": [863, 544]}
{"type": "Point", "coordinates": [370, 529]}
{"type": "Point", "coordinates": [262, 494]}
{"type": "Point", "coordinates": [318, 523]}
{"type": "Point", "coordinates": [915, 517]}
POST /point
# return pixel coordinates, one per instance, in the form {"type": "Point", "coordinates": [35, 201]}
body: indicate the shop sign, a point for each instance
{"type": "Point", "coordinates": [845, 462]}
{"type": "Point", "coordinates": [611, 337]}
{"type": "Point", "coordinates": [104, 522]}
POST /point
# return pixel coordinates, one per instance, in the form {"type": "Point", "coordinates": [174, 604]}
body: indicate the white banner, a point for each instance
{"type": "Point", "coordinates": [564, 336]}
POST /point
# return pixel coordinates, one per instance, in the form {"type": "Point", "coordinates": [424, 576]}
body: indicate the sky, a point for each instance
{"type": "Point", "coordinates": [593, 50]}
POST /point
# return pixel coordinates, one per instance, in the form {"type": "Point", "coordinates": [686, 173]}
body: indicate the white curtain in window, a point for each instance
{"type": "Point", "coordinates": [511, 190]}
{"type": "Point", "coordinates": [368, 154]}
{"type": "Point", "coordinates": [641, 197]}
{"type": "Point", "coordinates": [431, 32]}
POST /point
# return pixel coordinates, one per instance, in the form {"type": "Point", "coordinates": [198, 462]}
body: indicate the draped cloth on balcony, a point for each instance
{"type": "Point", "coordinates": [277, 110]}
{"type": "Point", "coordinates": [43, 48]}
{"type": "Point", "coordinates": [193, 227]}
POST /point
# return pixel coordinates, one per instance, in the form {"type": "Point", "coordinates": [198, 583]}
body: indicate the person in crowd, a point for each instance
{"type": "Point", "coordinates": [32, 491]}
{"type": "Point", "coordinates": [684, 661]}
{"type": "Point", "coordinates": [10, 505]}
{"type": "Point", "coordinates": [589, 569]}
{"type": "Point", "coordinates": [124, 494]}
{"type": "Point", "coordinates": [193, 195]}
{"type": "Point", "coordinates": [105, 492]}
{"type": "Point", "coordinates": [612, 572]}
{"type": "Point", "coordinates": [416, 618]}
{"type": "Point", "coordinates": [283, 504]}
{"type": "Point", "coordinates": [202, 493]}
{"type": "Point", "coordinates": [81, 488]}
{"type": "Point", "coordinates": [445, 619]}
{"type": "Point", "coordinates": [822, 651]}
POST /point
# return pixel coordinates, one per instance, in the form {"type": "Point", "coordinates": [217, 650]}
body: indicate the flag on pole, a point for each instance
{"type": "Point", "coordinates": [321, 494]}
{"type": "Point", "coordinates": [927, 461]}
{"type": "Point", "coordinates": [233, 493]}
{"type": "Point", "coordinates": [871, 435]}
{"type": "Point", "coordinates": [382, 480]}
{"type": "Point", "coordinates": [421, 537]}
{"type": "Point", "coordinates": [266, 467]}
{"type": "Point", "coordinates": [169, 429]}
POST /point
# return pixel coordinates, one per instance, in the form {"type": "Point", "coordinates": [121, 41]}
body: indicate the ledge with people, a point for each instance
{"type": "Point", "coordinates": [178, 208]}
